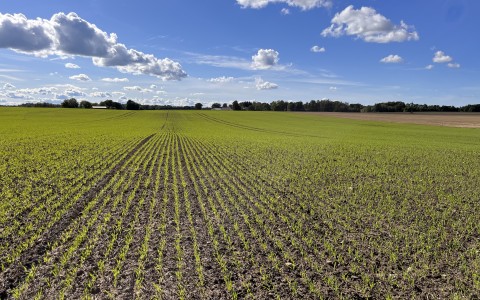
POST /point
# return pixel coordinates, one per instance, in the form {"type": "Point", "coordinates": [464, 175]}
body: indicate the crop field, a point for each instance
{"type": "Point", "coordinates": [235, 205]}
{"type": "Point", "coordinates": [455, 119]}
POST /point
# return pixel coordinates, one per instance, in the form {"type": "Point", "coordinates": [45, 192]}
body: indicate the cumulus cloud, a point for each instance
{"type": "Point", "coordinates": [71, 66]}
{"type": "Point", "coordinates": [107, 79]}
{"type": "Point", "coordinates": [39, 91]}
{"type": "Point", "coordinates": [392, 59]}
{"type": "Point", "coordinates": [317, 49]}
{"type": "Point", "coordinates": [136, 62]}
{"type": "Point", "coordinates": [303, 4]}
{"type": "Point", "coordinates": [17, 95]}
{"type": "Point", "coordinates": [265, 59]}
{"type": "Point", "coordinates": [136, 88]}
{"type": "Point", "coordinates": [285, 11]}
{"type": "Point", "coordinates": [429, 67]}
{"type": "Point", "coordinates": [441, 57]}
{"type": "Point", "coordinates": [26, 36]}
{"type": "Point", "coordinates": [78, 37]}
{"type": "Point", "coordinates": [7, 86]}
{"type": "Point", "coordinates": [365, 23]}
{"type": "Point", "coordinates": [260, 84]}
{"type": "Point", "coordinates": [80, 77]}
{"type": "Point", "coordinates": [70, 35]}
{"type": "Point", "coordinates": [221, 79]}
{"type": "Point", "coordinates": [118, 93]}
{"type": "Point", "coordinates": [132, 88]}
{"type": "Point", "coordinates": [454, 65]}
{"type": "Point", "coordinates": [71, 92]}
{"type": "Point", "coordinates": [101, 95]}
{"type": "Point", "coordinates": [153, 86]}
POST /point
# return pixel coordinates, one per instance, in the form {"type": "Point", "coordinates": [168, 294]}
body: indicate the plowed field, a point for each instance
{"type": "Point", "coordinates": [227, 205]}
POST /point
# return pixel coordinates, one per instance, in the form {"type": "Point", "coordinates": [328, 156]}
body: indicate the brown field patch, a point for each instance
{"type": "Point", "coordinates": [466, 120]}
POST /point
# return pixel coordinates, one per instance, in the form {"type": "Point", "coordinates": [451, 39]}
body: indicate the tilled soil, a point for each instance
{"type": "Point", "coordinates": [179, 218]}
{"type": "Point", "coordinates": [457, 119]}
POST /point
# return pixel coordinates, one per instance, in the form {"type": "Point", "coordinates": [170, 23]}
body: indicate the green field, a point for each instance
{"type": "Point", "coordinates": [225, 205]}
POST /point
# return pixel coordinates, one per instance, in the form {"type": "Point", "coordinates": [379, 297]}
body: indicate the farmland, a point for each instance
{"type": "Point", "coordinates": [235, 205]}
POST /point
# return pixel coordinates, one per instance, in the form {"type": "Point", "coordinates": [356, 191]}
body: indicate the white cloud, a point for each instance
{"type": "Point", "coordinates": [101, 95]}
{"type": "Point", "coordinates": [303, 4]}
{"type": "Point", "coordinates": [107, 79]}
{"type": "Point", "coordinates": [17, 95]}
{"type": "Point", "coordinates": [333, 88]}
{"type": "Point", "coordinates": [260, 84]}
{"type": "Point", "coordinates": [365, 23]}
{"type": "Point", "coordinates": [392, 59]}
{"type": "Point", "coordinates": [80, 77]}
{"type": "Point", "coordinates": [71, 66]}
{"type": "Point", "coordinates": [118, 93]}
{"type": "Point", "coordinates": [26, 36]}
{"type": "Point", "coordinates": [136, 88]}
{"type": "Point", "coordinates": [440, 57]}
{"type": "Point", "coordinates": [220, 61]}
{"type": "Point", "coordinates": [69, 35]}
{"type": "Point", "coordinates": [454, 65]}
{"type": "Point", "coordinates": [222, 79]}
{"type": "Point", "coordinates": [71, 92]}
{"type": "Point", "coordinates": [132, 88]}
{"type": "Point", "coordinates": [429, 67]}
{"type": "Point", "coordinates": [136, 62]}
{"type": "Point", "coordinates": [7, 86]}
{"type": "Point", "coordinates": [317, 49]}
{"type": "Point", "coordinates": [265, 59]}
{"type": "Point", "coordinates": [285, 11]}
{"type": "Point", "coordinates": [76, 36]}
{"type": "Point", "coordinates": [153, 86]}
{"type": "Point", "coordinates": [39, 91]}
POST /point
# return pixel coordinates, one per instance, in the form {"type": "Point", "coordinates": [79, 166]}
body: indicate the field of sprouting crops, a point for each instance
{"type": "Point", "coordinates": [235, 205]}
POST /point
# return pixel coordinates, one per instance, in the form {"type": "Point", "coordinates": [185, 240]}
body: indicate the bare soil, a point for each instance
{"type": "Point", "coordinates": [454, 119]}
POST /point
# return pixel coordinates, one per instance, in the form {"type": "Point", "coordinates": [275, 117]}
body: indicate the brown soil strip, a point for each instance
{"type": "Point", "coordinates": [213, 287]}
{"type": "Point", "coordinates": [254, 205]}
{"type": "Point", "coordinates": [153, 275]}
{"type": "Point", "coordinates": [15, 273]}
{"type": "Point", "coordinates": [242, 205]}
{"type": "Point", "coordinates": [26, 218]}
{"type": "Point", "coordinates": [455, 119]}
{"type": "Point", "coordinates": [168, 281]}
{"type": "Point", "coordinates": [105, 282]}
{"type": "Point", "coordinates": [190, 276]}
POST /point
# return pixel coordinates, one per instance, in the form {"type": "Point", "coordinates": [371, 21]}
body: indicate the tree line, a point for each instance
{"type": "Point", "coordinates": [324, 105]}
{"type": "Point", "coordinates": [338, 106]}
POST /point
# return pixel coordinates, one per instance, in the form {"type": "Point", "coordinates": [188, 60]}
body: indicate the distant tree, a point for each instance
{"type": "Point", "coordinates": [107, 103]}
{"type": "Point", "coordinates": [85, 104]}
{"type": "Point", "coordinates": [198, 106]}
{"type": "Point", "coordinates": [132, 105]}
{"type": "Point", "coordinates": [259, 106]}
{"type": "Point", "coordinates": [216, 105]}
{"type": "Point", "coordinates": [111, 104]}
{"type": "Point", "coordinates": [471, 108]}
{"type": "Point", "coordinates": [279, 105]}
{"type": "Point", "coordinates": [70, 103]}
{"type": "Point", "coordinates": [245, 105]}
{"type": "Point", "coordinates": [236, 106]}
{"type": "Point", "coordinates": [225, 105]}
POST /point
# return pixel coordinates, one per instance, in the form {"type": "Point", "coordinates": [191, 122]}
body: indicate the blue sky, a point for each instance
{"type": "Point", "coordinates": [186, 51]}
